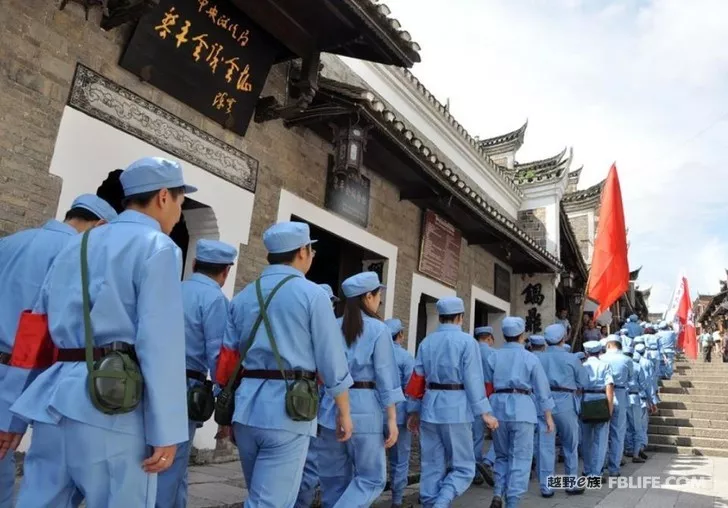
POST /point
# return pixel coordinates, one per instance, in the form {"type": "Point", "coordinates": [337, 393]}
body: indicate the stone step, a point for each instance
{"type": "Point", "coordinates": [691, 382]}
{"type": "Point", "coordinates": [721, 417]}
{"type": "Point", "coordinates": [687, 431]}
{"type": "Point", "coordinates": [714, 367]}
{"type": "Point", "coordinates": [711, 399]}
{"type": "Point", "coordinates": [688, 450]}
{"type": "Point", "coordinates": [698, 423]}
{"type": "Point", "coordinates": [696, 442]}
{"type": "Point", "coordinates": [687, 404]}
{"type": "Point", "coordinates": [702, 392]}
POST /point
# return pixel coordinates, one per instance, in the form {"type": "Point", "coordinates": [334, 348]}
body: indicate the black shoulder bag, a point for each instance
{"type": "Point", "coordinates": [225, 403]}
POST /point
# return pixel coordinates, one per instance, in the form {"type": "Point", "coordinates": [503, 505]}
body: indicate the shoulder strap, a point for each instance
{"type": "Point", "coordinates": [251, 337]}
{"type": "Point", "coordinates": [269, 331]}
{"type": "Point", "coordinates": [88, 332]}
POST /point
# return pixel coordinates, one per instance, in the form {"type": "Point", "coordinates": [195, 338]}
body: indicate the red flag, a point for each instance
{"type": "Point", "coordinates": [609, 273]}
{"type": "Point", "coordinates": [687, 341]}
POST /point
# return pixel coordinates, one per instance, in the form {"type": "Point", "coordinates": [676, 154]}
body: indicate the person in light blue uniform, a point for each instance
{"type": "Point", "coordinates": [483, 462]}
{"type": "Point", "coordinates": [567, 348]}
{"type": "Point", "coordinates": [581, 356]}
{"type": "Point", "coordinates": [566, 375]}
{"type": "Point", "coordinates": [637, 385]}
{"type": "Point", "coordinates": [633, 327]}
{"type": "Point", "coordinates": [622, 369]}
{"type": "Point", "coordinates": [206, 311]}
{"type": "Point", "coordinates": [648, 397]}
{"type": "Point", "coordinates": [541, 458]}
{"type": "Point", "coordinates": [354, 473]}
{"type": "Point", "coordinates": [625, 338]}
{"type": "Point", "coordinates": [601, 386]}
{"type": "Point", "coordinates": [653, 354]}
{"type": "Point", "coordinates": [446, 391]}
{"type": "Point", "coordinates": [25, 257]}
{"type": "Point", "coordinates": [515, 375]}
{"type": "Point", "coordinates": [273, 446]}
{"type": "Point", "coordinates": [667, 340]}
{"type": "Point", "coordinates": [134, 271]}
{"type": "Point", "coordinates": [399, 454]}
{"type": "Point", "coordinates": [310, 478]}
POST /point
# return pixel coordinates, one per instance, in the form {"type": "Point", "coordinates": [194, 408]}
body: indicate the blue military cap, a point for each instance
{"type": "Point", "coordinates": [287, 237]}
{"type": "Point", "coordinates": [513, 326]}
{"type": "Point", "coordinates": [638, 340]}
{"type": "Point", "coordinates": [580, 355]}
{"type": "Point", "coordinates": [152, 174]}
{"type": "Point", "coordinates": [613, 338]}
{"type": "Point", "coordinates": [537, 340]}
{"type": "Point", "coordinates": [329, 292]}
{"type": "Point", "coordinates": [554, 333]}
{"type": "Point", "coordinates": [592, 347]}
{"type": "Point", "coordinates": [394, 325]}
{"type": "Point", "coordinates": [94, 204]}
{"type": "Point", "coordinates": [603, 343]}
{"type": "Point", "coordinates": [450, 306]}
{"type": "Point", "coordinates": [627, 350]}
{"type": "Point", "coordinates": [482, 330]}
{"type": "Point", "coordinates": [652, 345]}
{"type": "Point", "coordinates": [639, 348]}
{"type": "Point", "coordinates": [623, 331]}
{"type": "Point", "coordinates": [213, 251]}
{"type": "Point", "coordinates": [567, 347]}
{"type": "Point", "coordinates": [663, 325]}
{"type": "Point", "coordinates": [361, 284]}
{"type": "Point", "coordinates": [633, 318]}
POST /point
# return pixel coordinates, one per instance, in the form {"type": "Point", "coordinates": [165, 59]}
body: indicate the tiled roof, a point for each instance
{"type": "Point", "coordinates": [635, 273]}
{"type": "Point", "coordinates": [373, 10]}
{"type": "Point", "coordinates": [399, 128]}
{"type": "Point", "coordinates": [575, 174]}
{"type": "Point", "coordinates": [584, 195]}
{"type": "Point", "coordinates": [472, 141]}
{"type": "Point", "coordinates": [543, 170]}
{"type": "Point", "coordinates": [512, 139]}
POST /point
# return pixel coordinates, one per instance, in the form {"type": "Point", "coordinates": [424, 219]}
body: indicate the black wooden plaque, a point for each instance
{"type": "Point", "coordinates": [347, 195]}
{"type": "Point", "coordinates": [205, 53]}
{"type": "Point", "coordinates": [502, 283]}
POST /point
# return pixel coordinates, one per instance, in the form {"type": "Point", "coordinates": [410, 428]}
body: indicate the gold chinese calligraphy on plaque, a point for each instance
{"type": "Point", "coordinates": [205, 53]}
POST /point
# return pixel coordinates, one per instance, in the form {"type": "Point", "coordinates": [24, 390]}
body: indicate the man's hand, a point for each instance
{"type": "Point", "coordinates": [160, 460]}
{"type": "Point", "coordinates": [225, 432]}
{"type": "Point", "coordinates": [490, 421]}
{"type": "Point", "coordinates": [344, 427]}
{"type": "Point", "coordinates": [549, 422]}
{"type": "Point", "coordinates": [413, 423]}
{"type": "Point", "coordinates": [9, 442]}
{"type": "Point", "coordinates": [392, 434]}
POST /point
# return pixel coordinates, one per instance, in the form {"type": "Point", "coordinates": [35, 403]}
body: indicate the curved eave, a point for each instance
{"type": "Point", "coordinates": [595, 191]}
{"type": "Point", "coordinates": [505, 142]}
{"type": "Point", "coordinates": [534, 176]}
{"type": "Point", "coordinates": [543, 163]}
{"type": "Point", "coordinates": [634, 274]}
{"type": "Point", "coordinates": [575, 174]}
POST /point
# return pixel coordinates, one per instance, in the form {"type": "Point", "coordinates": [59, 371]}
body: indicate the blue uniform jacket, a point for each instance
{"type": "Point", "coordinates": [308, 338]}
{"type": "Point", "coordinates": [25, 257]}
{"type": "Point", "coordinates": [405, 365]}
{"type": "Point", "coordinates": [136, 297]}
{"type": "Point", "coordinates": [621, 366]}
{"type": "Point", "coordinates": [600, 375]}
{"type": "Point", "coordinates": [563, 370]}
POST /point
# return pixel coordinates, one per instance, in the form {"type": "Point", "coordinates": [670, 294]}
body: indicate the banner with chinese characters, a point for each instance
{"type": "Point", "coordinates": [533, 298]}
{"type": "Point", "coordinates": [205, 53]}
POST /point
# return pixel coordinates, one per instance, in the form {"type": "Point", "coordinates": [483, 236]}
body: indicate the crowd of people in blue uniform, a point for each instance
{"type": "Point", "coordinates": [109, 357]}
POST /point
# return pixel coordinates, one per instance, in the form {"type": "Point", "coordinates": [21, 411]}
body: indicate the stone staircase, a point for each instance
{"type": "Point", "coordinates": [693, 415]}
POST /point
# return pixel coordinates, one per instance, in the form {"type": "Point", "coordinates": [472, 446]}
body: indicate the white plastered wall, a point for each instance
{"type": "Point", "coordinates": [478, 294]}
{"type": "Point", "coordinates": [422, 285]}
{"type": "Point", "coordinates": [290, 205]}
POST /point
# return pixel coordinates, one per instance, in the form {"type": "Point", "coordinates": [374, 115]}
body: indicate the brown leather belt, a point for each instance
{"type": "Point", "coordinates": [79, 354]}
{"type": "Point", "coordinates": [445, 386]}
{"type": "Point", "coordinates": [514, 390]}
{"type": "Point", "coordinates": [562, 389]}
{"type": "Point", "coordinates": [364, 385]}
{"type": "Point", "coordinates": [5, 358]}
{"type": "Point", "coordinates": [291, 375]}
{"type": "Point", "coordinates": [594, 390]}
{"type": "Point", "coordinates": [199, 376]}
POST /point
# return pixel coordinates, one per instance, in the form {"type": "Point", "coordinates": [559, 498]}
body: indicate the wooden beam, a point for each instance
{"type": "Point", "coordinates": [417, 193]}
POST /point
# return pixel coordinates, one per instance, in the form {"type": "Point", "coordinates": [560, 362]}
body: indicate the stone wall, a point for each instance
{"type": "Point", "coordinates": [40, 49]}
{"type": "Point", "coordinates": [533, 222]}
{"type": "Point", "coordinates": [580, 225]}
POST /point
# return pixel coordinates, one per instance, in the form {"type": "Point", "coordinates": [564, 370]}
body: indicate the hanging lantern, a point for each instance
{"type": "Point", "coordinates": [350, 144]}
{"type": "Point", "coordinates": [568, 279]}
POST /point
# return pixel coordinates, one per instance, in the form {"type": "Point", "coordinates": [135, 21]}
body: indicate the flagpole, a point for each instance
{"type": "Point", "coordinates": [577, 331]}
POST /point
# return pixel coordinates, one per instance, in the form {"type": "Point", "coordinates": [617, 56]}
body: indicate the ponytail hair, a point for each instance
{"type": "Point", "coordinates": [352, 323]}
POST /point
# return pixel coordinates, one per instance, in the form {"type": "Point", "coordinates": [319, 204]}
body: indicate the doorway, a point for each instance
{"type": "Point", "coordinates": [427, 318]}
{"type": "Point", "coordinates": [338, 259]}
{"type": "Point", "coordinates": [487, 315]}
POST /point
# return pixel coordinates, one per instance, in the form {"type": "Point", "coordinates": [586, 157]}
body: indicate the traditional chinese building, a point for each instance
{"type": "Point", "coordinates": [711, 312]}
{"type": "Point", "coordinates": [700, 304]}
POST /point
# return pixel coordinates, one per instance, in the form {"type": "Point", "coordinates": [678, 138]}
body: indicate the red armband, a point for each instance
{"type": "Point", "coordinates": [226, 364]}
{"type": "Point", "coordinates": [489, 389]}
{"type": "Point", "coordinates": [416, 387]}
{"type": "Point", "coordinates": [319, 381]}
{"type": "Point", "coordinates": [33, 347]}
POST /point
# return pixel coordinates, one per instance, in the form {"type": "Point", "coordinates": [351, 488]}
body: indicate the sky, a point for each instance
{"type": "Point", "coordinates": [640, 82]}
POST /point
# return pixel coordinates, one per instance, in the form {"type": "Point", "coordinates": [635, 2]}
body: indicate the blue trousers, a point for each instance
{"type": "Point", "coordinates": [310, 479]}
{"type": "Point", "coordinates": [667, 365]}
{"type": "Point", "coordinates": [272, 465]}
{"type": "Point", "coordinates": [478, 439]}
{"type": "Point", "coordinates": [489, 459]}
{"type": "Point", "coordinates": [567, 426]}
{"type": "Point", "coordinates": [513, 443]}
{"type": "Point", "coordinates": [443, 445]}
{"type": "Point", "coordinates": [617, 430]}
{"type": "Point", "coordinates": [172, 483]}
{"type": "Point", "coordinates": [73, 457]}
{"type": "Point", "coordinates": [354, 473]}
{"type": "Point", "coordinates": [595, 437]}
{"type": "Point", "coordinates": [7, 480]}
{"type": "Point", "coordinates": [645, 424]}
{"type": "Point", "coordinates": [633, 436]}
{"type": "Point", "coordinates": [399, 457]}
{"type": "Point", "coordinates": [544, 444]}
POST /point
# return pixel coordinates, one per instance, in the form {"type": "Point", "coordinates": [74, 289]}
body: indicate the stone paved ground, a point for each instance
{"type": "Point", "coordinates": [222, 486]}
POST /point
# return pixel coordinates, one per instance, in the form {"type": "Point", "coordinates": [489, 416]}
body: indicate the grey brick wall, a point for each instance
{"type": "Point", "coordinates": [533, 223]}
{"type": "Point", "coordinates": [580, 225]}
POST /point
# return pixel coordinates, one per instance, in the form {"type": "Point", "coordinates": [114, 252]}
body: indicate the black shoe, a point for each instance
{"type": "Point", "coordinates": [561, 459]}
{"type": "Point", "coordinates": [478, 478]}
{"type": "Point", "coordinates": [496, 503]}
{"type": "Point", "coordinates": [638, 460]}
{"type": "Point", "coordinates": [643, 455]}
{"type": "Point", "coordinates": [575, 492]}
{"type": "Point", "coordinates": [622, 463]}
{"type": "Point", "coordinates": [486, 473]}
{"type": "Point", "coordinates": [614, 475]}
{"type": "Point", "coordinates": [547, 495]}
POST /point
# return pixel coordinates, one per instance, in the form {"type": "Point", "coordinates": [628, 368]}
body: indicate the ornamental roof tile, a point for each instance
{"type": "Point", "coordinates": [511, 140]}
{"type": "Point", "coordinates": [553, 168]}
{"type": "Point", "coordinates": [584, 195]}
